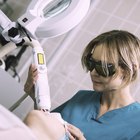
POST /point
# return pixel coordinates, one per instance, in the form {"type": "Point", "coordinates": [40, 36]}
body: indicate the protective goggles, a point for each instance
{"type": "Point", "coordinates": [104, 71]}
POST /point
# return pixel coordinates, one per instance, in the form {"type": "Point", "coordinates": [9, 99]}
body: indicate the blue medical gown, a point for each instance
{"type": "Point", "coordinates": [119, 124]}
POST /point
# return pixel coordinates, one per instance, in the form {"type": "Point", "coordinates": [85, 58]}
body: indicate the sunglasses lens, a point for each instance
{"type": "Point", "coordinates": [91, 64]}
{"type": "Point", "coordinates": [111, 69]}
{"type": "Point", "coordinates": [105, 72]}
{"type": "Point", "coordinates": [99, 69]}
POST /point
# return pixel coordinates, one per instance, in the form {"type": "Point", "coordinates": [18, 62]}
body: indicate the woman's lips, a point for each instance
{"type": "Point", "coordinates": [96, 82]}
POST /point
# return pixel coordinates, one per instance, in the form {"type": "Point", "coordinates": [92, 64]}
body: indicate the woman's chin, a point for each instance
{"type": "Point", "coordinates": [98, 89]}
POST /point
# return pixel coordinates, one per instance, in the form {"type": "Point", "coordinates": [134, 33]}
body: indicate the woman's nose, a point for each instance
{"type": "Point", "coordinates": [94, 73]}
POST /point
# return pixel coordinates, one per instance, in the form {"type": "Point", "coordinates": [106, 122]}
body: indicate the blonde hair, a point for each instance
{"type": "Point", "coordinates": [121, 48]}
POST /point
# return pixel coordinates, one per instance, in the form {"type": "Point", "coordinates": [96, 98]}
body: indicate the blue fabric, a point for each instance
{"type": "Point", "coordinates": [119, 124]}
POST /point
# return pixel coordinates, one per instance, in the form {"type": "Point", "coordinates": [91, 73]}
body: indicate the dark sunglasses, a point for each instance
{"type": "Point", "coordinates": [109, 70]}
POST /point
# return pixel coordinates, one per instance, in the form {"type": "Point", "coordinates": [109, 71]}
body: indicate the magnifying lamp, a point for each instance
{"type": "Point", "coordinates": [49, 18]}
{"type": "Point", "coordinates": [44, 19]}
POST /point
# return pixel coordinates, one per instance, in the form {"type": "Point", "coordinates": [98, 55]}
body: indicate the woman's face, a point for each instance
{"type": "Point", "coordinates": [104, 84]}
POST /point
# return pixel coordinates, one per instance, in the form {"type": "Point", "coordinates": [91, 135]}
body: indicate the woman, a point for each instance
{"type": "Point", "coordinates": [109, 112]}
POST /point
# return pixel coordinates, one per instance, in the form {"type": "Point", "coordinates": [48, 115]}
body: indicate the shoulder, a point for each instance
{"type": "Point", "coordinates": [84, 95]}
{"type": "Point", "coordinates": [81, 103]}
{"type": "Point", "coordinates": [133, 115]}
{"type": "Point", "coordinates": [84, 98]}
{"type": "Point", "coordinates": [80, 97]}
{"type": "Point", "coordinates": [135, 108]}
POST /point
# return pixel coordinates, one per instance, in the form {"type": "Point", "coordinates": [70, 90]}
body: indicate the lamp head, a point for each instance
{"type": "Point", "coordinates": [49, 18]}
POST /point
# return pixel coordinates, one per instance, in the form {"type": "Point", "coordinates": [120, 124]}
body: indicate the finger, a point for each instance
{"type": "Point", "coordinates": [76, 132]}
{"type": "Point", "coordinates": [32, 76]}
{"type": "Point", "coordinates": [32, 68]}
{"type": "Point", "coordinates": [73, 132]}
{"type": "Point", "coordinates": [35, 73]}
{"type": "Point", "coordinates": [73, 127]}
{"type": "Point", "coordinates": [71, 137]}
{"type": "Point", "coordinates": [35, 77]}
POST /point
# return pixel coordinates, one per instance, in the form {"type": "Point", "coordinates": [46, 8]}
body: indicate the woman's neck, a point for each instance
{"type": "Point", "coordinates": [115, 99]}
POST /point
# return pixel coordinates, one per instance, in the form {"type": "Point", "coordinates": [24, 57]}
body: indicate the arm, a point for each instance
{"type": "Point", "coordinates": [29, 87]}
{"type": "Point", "coordinates": [31, 79]}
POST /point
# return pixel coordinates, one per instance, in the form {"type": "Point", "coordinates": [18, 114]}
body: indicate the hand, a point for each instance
{"type": "Point", "coordinates": [32, 77]}
{"type": "Point", "coordinates": [75, 133]}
